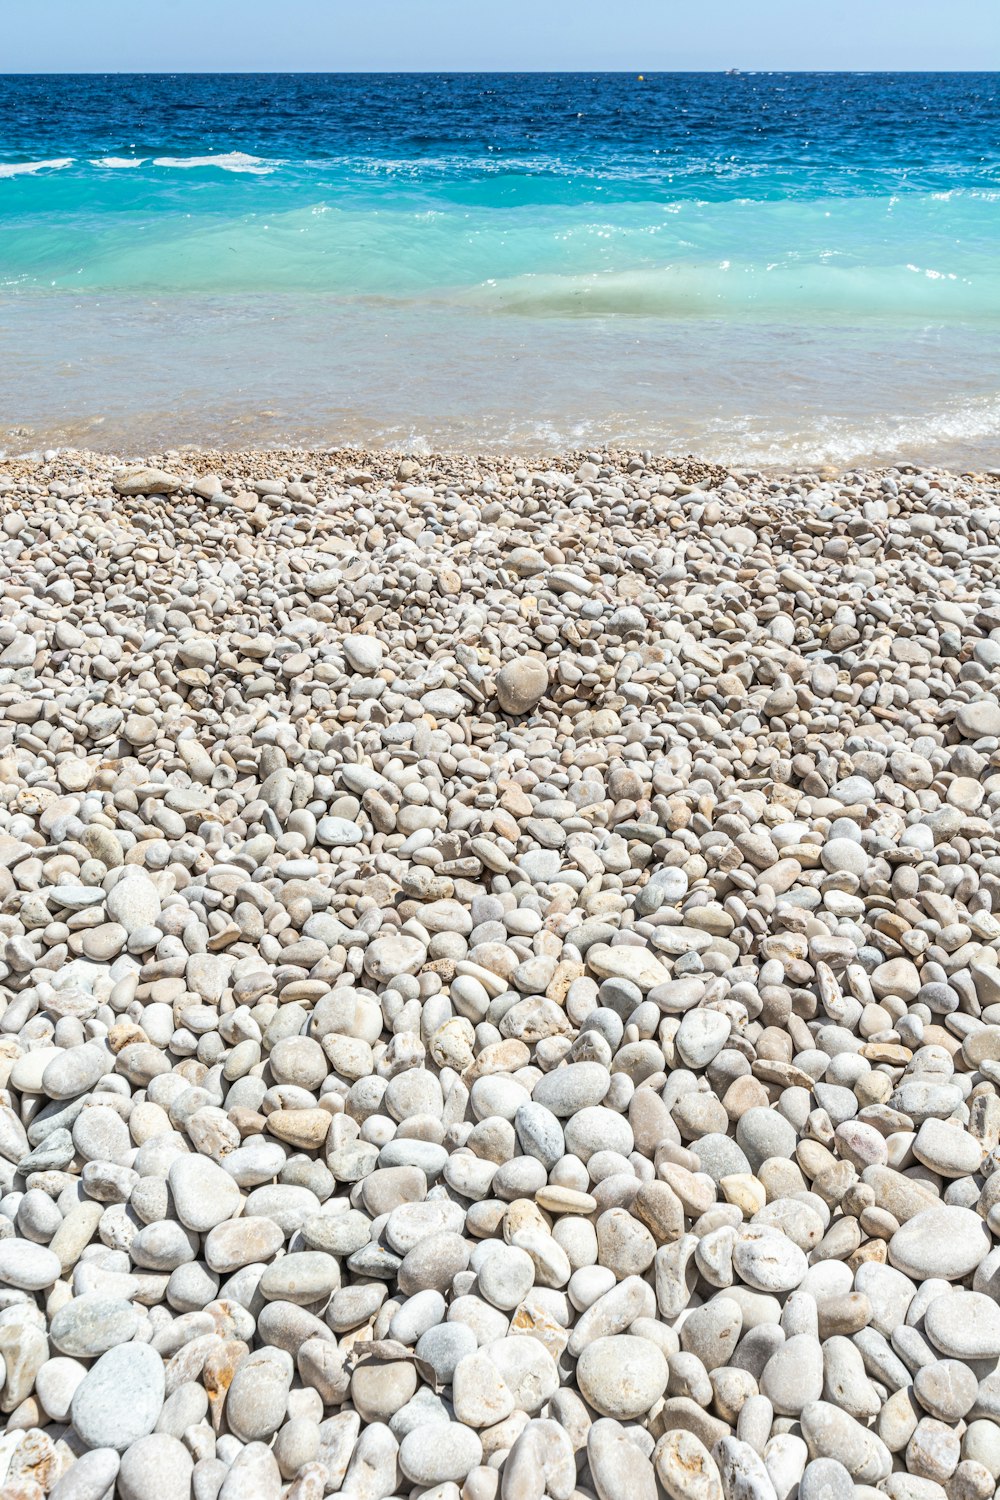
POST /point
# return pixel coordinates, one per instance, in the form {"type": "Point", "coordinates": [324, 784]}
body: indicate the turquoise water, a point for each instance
{"type": "Point", "coordinates": [762, 268]}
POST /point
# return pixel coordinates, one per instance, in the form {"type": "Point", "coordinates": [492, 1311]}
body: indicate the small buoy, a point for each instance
{"type": "Point", "coordinates": [641, 78]}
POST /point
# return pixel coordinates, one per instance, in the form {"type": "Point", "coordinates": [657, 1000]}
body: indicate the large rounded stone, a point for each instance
{"type": "Point", "coordinates": [946, 1242]}
{"type": "Point", "coordinates": [622, 1376]}
{"type": "Point", "coordinates": [258, 1395]}
{"type": "Point", "coordinates": [204, 1195]}
{"type": "Point", "coordinates": [91, 1325]}
{"type": "Point", "coordinates": [120, 1399]}
{"type": "Point", "coordinates": [28, 1266]}
{"type": "Point", "coordinates": [964, 1325]}
{"type": "Point", "coordinates": [522, 684]}
{"type": "Point", "coordinates": [389, 957]}
{"type": "Point", "coordinates": [768, 1260]}
{"type": "Point", "coordinates": [439, 1453]}
{"type": "Point", "coordinates": [157, 1467]}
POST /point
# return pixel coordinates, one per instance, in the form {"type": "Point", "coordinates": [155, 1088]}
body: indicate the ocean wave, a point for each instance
{"type": "Point", "coordinates": [29, 168]}
{"type": "Point", "coordinates": [230, 161]}
{"type": "Point", "coordinates": [117, 162]}
{"type": "Point", "coordinates": [770, 288]}
{"type": "Point", "coordinates": [209, 231]}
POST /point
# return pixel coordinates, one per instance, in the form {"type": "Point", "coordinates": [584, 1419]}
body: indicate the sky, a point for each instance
{"type": "Point", "coordinates": [65, 36]}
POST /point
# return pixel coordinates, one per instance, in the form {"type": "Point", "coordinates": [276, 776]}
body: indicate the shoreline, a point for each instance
{"type": "Point", "coordinates": [373, 464]}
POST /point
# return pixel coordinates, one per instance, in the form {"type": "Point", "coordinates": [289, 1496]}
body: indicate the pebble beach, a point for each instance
{"type": "Point", "coordinates": [499, 979]}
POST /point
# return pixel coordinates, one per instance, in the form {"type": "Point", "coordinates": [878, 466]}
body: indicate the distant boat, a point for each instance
{"type": "Point", "coordinates": [732, 72]}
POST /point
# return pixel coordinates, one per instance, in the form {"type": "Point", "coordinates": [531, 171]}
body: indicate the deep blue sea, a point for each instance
{"type": "Point", "coordinates": [764, 268]}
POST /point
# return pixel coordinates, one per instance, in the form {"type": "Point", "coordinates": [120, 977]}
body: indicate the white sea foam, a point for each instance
{"type": "Point", "coordinates": [232, 161]}
{"type": "Point", "coordinates": [28, 168]}
{"type": "Point", "coordinates": [117, 162]}
{"type": "Point", "coordinates": [962, 426]}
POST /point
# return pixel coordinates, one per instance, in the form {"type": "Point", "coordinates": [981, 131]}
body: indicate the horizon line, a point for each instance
{"type": "Point", "coordinates": [485, 72]}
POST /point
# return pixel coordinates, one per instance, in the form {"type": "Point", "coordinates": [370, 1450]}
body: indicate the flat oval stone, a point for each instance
{"type": "Point", "coordinates": [598, 1129]}
{"type": "Point", "coordinates": [433, 1263]}
{"type": "Point", "coordinates": [946, 1389]}
{"type": "Point", "coordinates": [762, 1133]}
{"type": "Point", "coordinates": [92, 1324]}
{"type": "Point", "coordinates": [76, 1070]}
{"type": "Point", "coordinates": [303, 1277]}
{"type": "Point", "coordinates": [418, 1314]}
{"type": "Point", "coordinates": [256, 1162]}
{"type": "Point", "coordinates": [964, 1325]}
{"type": "Point", "coordinates": [444, 703]}
{"type": "Point", "coordinates": [947, 1149]}
{"type": "Point", "coordinates": [440, 1453]}
{"type": "Point", "coordinates": [134, 901]}
{"type": "Point", "coordinates": [573, 1087]}
{"type": "Point", "coordinates": [947, 1242]}
{"type": "Point", "coordinates": [540, 1134]}
{"type": "Point", "coordinates": [506, 1276]}
{"type": "Point", "coordinates": [409, 1223]}
{"type": "Point", "coordinates": [923, 1099]}
{"type": "Point", "coordinates": [338, 833]}
{"type": "Point", "coordinates": [380, 1388]}
{"type": "Point", "coordinates": [120, 1399]}
{"type": "Point", "coordinates": [889, 1293]}
{"type": "Point", "coordinates": [627, 961]}
{"type": "Point", "coordinates": [242, 1242]}
{"type": "Point", "coordinates": [29, 1069]}
{"type": "Point", "coordinates": [323, 1366]}
{"type": "Point", "coordinates": [28, 1266]}
{"type": "Point", "coordinates": [204, 1194]}
{"type": "Point", "coordinates": [768, 1261]}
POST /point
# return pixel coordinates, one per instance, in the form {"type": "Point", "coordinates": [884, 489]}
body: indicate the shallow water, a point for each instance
{"type": "Point", "coordinates": [779, 269]}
